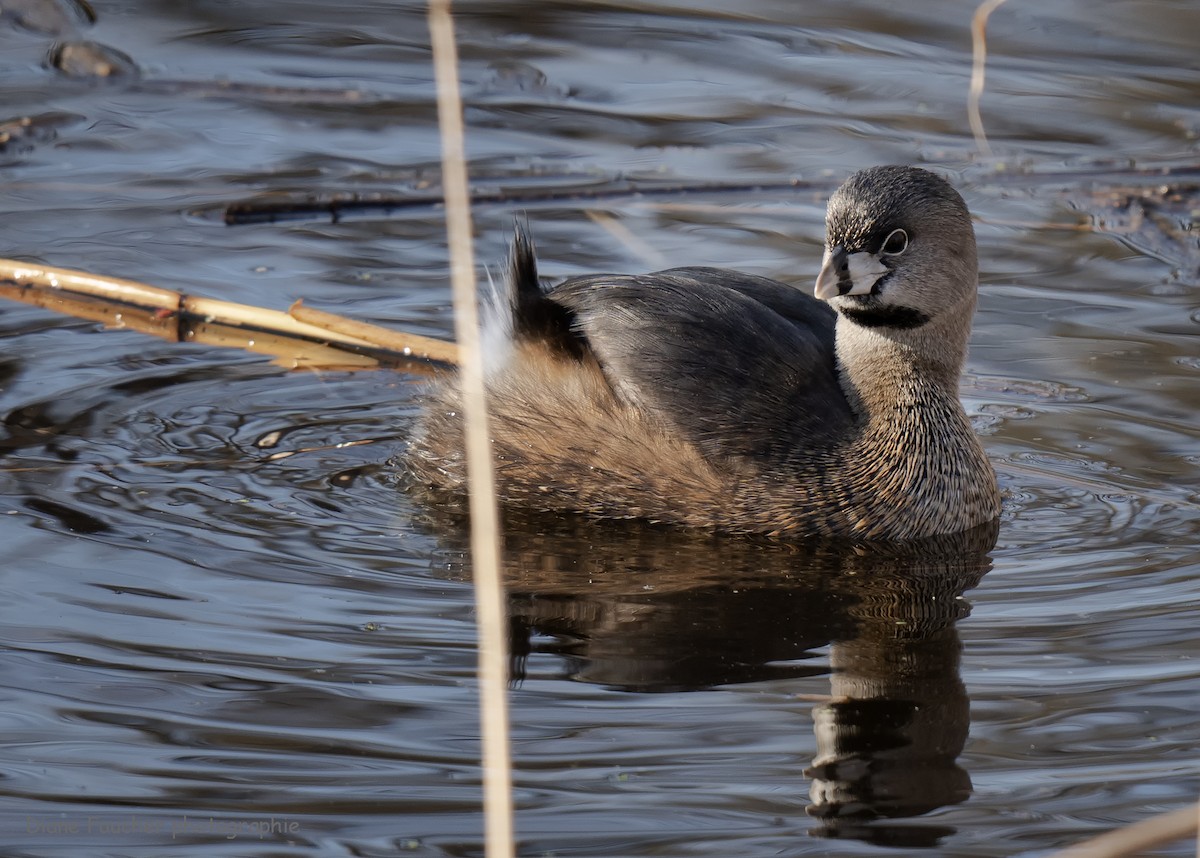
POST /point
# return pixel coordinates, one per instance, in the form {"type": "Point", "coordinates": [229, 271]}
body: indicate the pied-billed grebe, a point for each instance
{"type": "Point", "coordinates": [713, 399]}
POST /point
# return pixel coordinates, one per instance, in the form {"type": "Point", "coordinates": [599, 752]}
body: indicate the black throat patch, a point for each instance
{"type": "Point", "coordinates": [904, 318]}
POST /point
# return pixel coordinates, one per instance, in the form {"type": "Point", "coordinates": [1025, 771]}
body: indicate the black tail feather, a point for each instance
{"type": "Point", "coordinates": [524, 289]}
{"type": "Point", "coordinates": [535, 315]}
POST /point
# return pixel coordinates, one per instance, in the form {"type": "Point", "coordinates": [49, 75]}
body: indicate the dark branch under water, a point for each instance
{"type": "Point", "coordinates": [337, 206]}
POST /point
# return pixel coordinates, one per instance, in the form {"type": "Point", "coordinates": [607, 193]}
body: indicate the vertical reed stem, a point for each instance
{"type": "Point", "coordinates": [485, 541]}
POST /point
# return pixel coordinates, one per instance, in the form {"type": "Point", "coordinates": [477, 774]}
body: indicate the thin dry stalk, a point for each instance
{"type": "Point", "coordinates": [485, 528]}
{"type": "Point", "coordinates": [1137, 838]}
{"type": "Point", "coordinates": [979, 62]}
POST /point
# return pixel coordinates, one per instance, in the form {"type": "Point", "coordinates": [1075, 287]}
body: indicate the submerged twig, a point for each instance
{"type": "Point", "coordinates": [337, 206]}
{"type": "Point", "coordinates": [978, 64]}
{"type": "Point", "coordinates": [650, 257]}
{"type": "Point", "coordinates": [485, 519]}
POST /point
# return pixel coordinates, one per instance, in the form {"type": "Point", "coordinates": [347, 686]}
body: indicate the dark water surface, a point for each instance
{"type": "Point", "coordinates": [207, 652]}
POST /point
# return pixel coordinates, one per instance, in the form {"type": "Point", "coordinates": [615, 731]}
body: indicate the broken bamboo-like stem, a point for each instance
{"type": "Point", "coordinates": [300, 338]}
{"type": "Point", "coordinates": [414, 345]}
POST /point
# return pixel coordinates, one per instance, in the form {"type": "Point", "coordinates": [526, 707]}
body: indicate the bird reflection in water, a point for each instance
{"type": "Point", "coordinates": [640, 608]}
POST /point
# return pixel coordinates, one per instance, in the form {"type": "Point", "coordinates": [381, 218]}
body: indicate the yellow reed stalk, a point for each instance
{"type": "Point", "coordinates": [485, 527]}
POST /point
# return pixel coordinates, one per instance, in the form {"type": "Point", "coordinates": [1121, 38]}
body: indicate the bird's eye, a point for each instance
{"type": "Point", "coordinates": [896, 243]}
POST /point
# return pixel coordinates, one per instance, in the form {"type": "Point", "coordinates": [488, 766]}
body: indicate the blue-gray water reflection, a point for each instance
{"type": "Point", "coordinates": [640, 609]}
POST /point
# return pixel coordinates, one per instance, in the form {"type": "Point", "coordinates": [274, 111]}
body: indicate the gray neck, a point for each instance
{"type": "Point", "coordinates": [884, 373]}
{"type": "Point", "coordinates": [915, 448]}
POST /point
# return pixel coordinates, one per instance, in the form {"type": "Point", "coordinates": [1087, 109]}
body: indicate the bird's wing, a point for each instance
{"type": "Point", "coordinates": [738, 365]}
